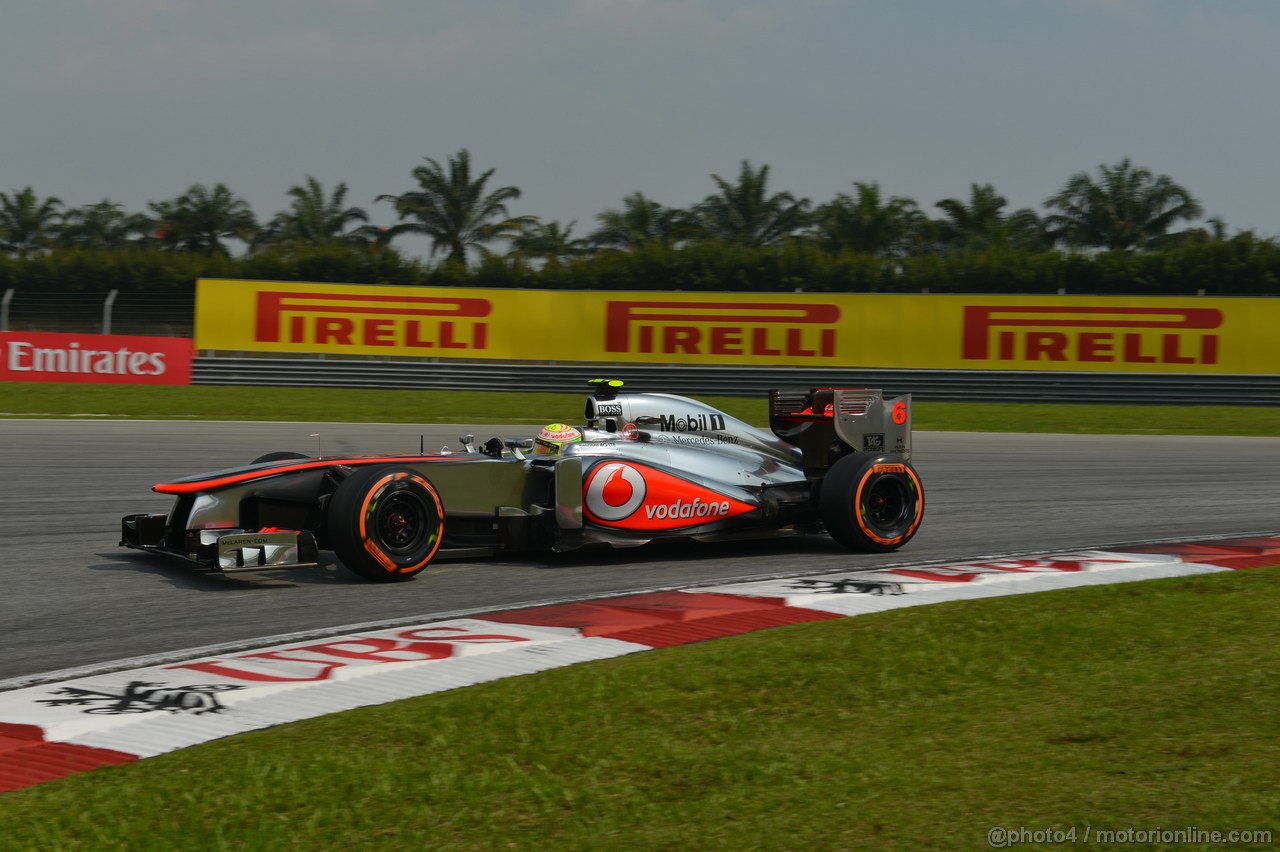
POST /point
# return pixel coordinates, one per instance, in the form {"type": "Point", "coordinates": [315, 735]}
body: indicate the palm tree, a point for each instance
{"type": "Point", "coordinates": [1126, 208]}
{"type": "Point", "coordinates": [640, 221]}
{"type": "Point", "coordinates": [547, 242]}
{"type": "Point", "coordinates": [201, 218]}
{"type": "Point", "coordinates": [744, 213]}
{"type": "Point", "coordinates": [980, 222]}
{"type": "Point", "coordinates": [104, 225]}
{"type": "Point", "coordinates": [27, 223]}
{"type": "Point", "coordinates": [316, 218]}
{"type": "Point", "coordinates": [866, 222]}
{"type": "Point", "coordinates": [454, 210]}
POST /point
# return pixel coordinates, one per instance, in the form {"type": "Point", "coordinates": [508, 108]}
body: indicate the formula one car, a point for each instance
{"type": "Point", "coordinates": [649, 466]}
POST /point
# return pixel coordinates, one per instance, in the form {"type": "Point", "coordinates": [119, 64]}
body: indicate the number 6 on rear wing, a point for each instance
{"type": "Point", "coordinates": [828, 423]}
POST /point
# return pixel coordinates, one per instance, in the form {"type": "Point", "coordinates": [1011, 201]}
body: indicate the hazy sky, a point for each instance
{"type": "Point", "coordinates": [581, 102]}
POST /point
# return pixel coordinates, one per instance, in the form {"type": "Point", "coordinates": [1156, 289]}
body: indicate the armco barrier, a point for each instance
{"type": "Point", "coordinates": [940, 385]}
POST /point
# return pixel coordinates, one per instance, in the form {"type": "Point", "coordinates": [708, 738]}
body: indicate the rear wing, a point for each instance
{"type": "Point", "coordinates": [827, 423]}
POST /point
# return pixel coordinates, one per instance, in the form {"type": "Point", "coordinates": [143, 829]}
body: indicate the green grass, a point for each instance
{"type": "Point", "coordinates": [402, 406]}
{"type": "Point", "coordinates": [1133, 706]}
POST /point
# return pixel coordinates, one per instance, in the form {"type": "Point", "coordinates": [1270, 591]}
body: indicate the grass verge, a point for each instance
{"type": "Point", "coordinates": [202, 402]}
{"type": "Point", "coordinates": [1133, 706]}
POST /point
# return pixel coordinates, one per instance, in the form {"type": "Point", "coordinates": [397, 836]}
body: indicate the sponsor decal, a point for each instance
{"type": "Point", "coordinates": [690, 422]}
{"type": "Point", "coordinates": [848, 586]}
{"type": "Point", "coordinates": [764, 329]}
{"type": "Point", "coordinates": [608, 409]}
{"type": "Point", "coordinates": [873, 442]}
{"type": "Point", "coordinates": [965, 572]}
{"type": "Point", "coordinates": [632, 496]}
{"type": "Point", "coordinates": [94, 358]}
{"type": "Point", "coordinates": [1087, 334]}
{"type": "Point", "coordinates": [357, 319]}
{"type": "Point", "coordinates": [253, 539]}
{"type": "Point", "coordinates": [321, 660]}
{"type": "Point", "coordinates": [614, 491]}
{"type": "Point", "coordinates": [143, 697]}
{"type": "Point", "coordinates": [696, 440]}
{"type": "Point", "coordinates": [595, 448]}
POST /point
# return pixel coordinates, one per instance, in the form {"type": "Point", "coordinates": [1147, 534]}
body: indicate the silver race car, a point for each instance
{"type": "Point", "coordinates": [646, 466]}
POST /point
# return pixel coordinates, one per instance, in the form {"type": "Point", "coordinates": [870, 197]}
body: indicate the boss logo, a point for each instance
{"type": "Point", "coordinates": [608, 409]}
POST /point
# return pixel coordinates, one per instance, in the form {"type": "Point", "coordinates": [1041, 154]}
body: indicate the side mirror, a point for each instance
{"type": "Point", "coordinates": [519, 446]}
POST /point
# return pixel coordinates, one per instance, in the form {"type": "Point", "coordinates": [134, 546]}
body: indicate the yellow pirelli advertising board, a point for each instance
{"type": "Point", "coordinates": [1077, 333]}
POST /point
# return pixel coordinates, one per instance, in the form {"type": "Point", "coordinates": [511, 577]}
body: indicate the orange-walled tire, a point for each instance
{"type": "Point", "coordinates": [385, 523]}
{"type": "Point", "coordinates": [872, 503]}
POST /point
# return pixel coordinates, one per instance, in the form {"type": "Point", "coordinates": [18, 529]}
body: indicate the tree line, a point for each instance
{"type": "Point", "coordinates": [1115, 228]}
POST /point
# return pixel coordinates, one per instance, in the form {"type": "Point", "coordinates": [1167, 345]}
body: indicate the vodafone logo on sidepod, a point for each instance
{"type": "Point", "coordinates": [614, 491]}
{"type": "Point", "coordinates": [630, 496]}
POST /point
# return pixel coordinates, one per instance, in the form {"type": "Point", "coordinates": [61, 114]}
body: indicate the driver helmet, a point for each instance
{"type": "Point", "coordinates": [554, 436]}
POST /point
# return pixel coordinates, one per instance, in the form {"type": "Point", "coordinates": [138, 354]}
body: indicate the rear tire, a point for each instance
{"type": "Point", "coordinates": [872, 503]}
{"type": "Point", "coordinates": [385, 523]}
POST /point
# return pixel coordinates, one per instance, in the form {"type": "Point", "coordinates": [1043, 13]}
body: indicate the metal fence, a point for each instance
{"type": "Point", "coordinates": [172, 316]}
{"type": "Point", "coordinates": [168, 315]}
{"type": "Point", "coordinates": [940, 385]}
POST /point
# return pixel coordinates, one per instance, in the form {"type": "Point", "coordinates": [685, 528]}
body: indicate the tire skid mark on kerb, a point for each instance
{"type": "Point", "coordinates": [113, 715]}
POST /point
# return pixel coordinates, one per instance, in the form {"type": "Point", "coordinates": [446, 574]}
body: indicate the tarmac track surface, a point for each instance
{"type": "Point", "coordinates": [70, 597]}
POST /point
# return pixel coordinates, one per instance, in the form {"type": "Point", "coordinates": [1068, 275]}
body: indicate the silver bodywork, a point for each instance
{"type": "Point", "coordinates": [499, 496]}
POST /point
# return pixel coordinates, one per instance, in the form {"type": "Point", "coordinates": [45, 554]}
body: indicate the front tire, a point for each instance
{"type": "Point", "coordinates": [872, 503]}
{"type": "Point", "coordinates": [385, 523]}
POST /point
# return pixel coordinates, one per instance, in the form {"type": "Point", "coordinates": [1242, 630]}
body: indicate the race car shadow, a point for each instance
{"type": "Point", "coordinates": [748, 551]}
{"type": "Point", "coordinates": [744, 553]}
{"type": "Point", "coordinates": [182, 576]}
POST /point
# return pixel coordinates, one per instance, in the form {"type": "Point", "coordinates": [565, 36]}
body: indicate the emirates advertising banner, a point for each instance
{"type": "Point", "coordinates": [1070, 333]}
{"type": "Point", "coordinates": [94, 358]}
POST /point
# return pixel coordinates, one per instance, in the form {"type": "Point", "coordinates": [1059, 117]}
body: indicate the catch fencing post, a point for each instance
{"type": "Point", "coordinates": [106, 311]}
{"type": "Point", "coordinates": [4, 309]}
